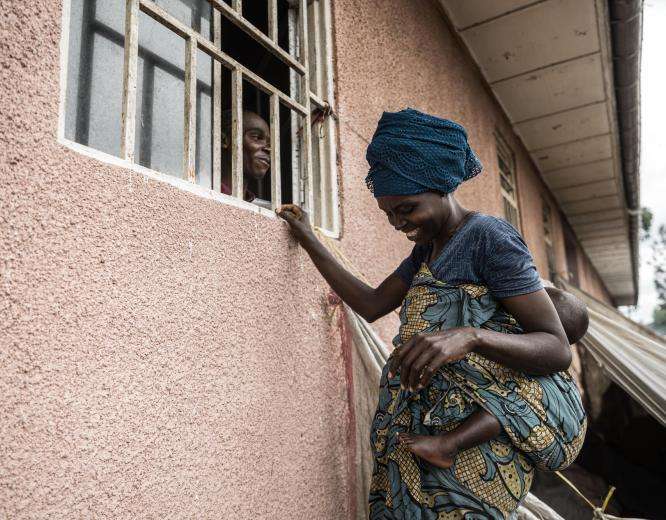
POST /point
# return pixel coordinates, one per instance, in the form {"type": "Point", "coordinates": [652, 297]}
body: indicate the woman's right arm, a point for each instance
{"type": "Point", "coordinates": [371, 303]}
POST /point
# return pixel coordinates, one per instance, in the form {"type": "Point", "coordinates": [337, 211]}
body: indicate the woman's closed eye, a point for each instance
{"type": "Point", "coordinates": [256, 135]}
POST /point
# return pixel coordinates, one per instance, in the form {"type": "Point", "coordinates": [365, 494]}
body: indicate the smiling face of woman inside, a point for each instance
{"type": "Point", "coordinates": [256, 146]}
{"type": "Point", "coordinates": [423, 217]}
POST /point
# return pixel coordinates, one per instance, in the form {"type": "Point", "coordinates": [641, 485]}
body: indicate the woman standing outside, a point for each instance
{"type": "Point", "coordinates": [460, 424]}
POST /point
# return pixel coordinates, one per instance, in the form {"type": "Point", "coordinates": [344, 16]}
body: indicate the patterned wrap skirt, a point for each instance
{"type": "Point", "coordinates": [542, 418]}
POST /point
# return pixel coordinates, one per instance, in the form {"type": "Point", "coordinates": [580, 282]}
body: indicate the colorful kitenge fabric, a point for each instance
{"type": "Point", "coordinates": [542, 418]}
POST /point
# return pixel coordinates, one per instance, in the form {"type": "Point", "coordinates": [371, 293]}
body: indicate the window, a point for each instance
{"type": "Point", "coordinates": [570, 248]}
{"type": "Point", "coordinates": [546, 217]}
{"type": "Point", "coordinates": [166, 84]}
{"type": "Point", "coordinates": [507, 171]}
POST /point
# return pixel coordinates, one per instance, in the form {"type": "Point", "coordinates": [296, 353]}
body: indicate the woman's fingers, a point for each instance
{"type": "Point", "coordinates": [286, 214]}
{"type": "Point", "coordinates": [396, 356]}
{"type": "Point", "coordinates": [408, 359]}
{"type": "Point", "coordinates": [433, 366]}
{"type": "Point", "coordinates": [290, 212]}
{"type": "Point", "coordinates": [419, 368]}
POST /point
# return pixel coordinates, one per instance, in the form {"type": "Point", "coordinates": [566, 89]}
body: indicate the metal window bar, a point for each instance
{"type": "Point", "coordinates": [217, 105]}
{"type": "Point", "coordinates": [128, 118]}
{"type": "Point", "coordinates": [237, 133]}
{"type": "Point", "coordinates": [318, 70]}
{"type": "Point", "coordinates": [152, 9]}
{"type": "Point", "coordinates": [306, 155]}
{"type": "Point", "coordinates": [300, 101]}
{"type": "Point", "coordinates": [276, 186]}
{"type": "Point", "coordinates": [330, 181]}
{"type": "Point", "coordinates": [318, 50]}
{"type": "Point", "coordinates": [190, 141]}
{"type": "Point", "coordinates": [235, 16]}
{"type": "Point", "coordinates": [273, 21]}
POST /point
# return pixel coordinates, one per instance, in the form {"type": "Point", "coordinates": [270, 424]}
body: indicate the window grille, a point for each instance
{"type": "Point", "coordinates": [571, 254]}
{"type": "Point", "coordinates": [508, 187]}
{"type": "Point", "coordinates": [547, 220]}
{"type": "Point", "coordinates": [308, 99]}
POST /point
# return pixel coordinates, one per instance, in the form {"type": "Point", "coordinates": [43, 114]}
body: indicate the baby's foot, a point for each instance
{"type": "Point", "coordinates": [436, 449]}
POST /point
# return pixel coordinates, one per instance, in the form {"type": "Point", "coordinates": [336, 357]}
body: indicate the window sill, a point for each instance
{"type": "Point", "coordinates": [182, 184]}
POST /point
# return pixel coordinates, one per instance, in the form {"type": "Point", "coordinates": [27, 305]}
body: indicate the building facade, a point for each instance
{"type": "Point", "coordinates": [168, 351]}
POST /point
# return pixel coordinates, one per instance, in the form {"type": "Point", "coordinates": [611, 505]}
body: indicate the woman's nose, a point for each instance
{"type": "Point", "coordinates": [396, 222]}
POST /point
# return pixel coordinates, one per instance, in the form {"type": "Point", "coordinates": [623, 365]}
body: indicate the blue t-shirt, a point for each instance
{"type": "Point", "coordinates": [485, 251]}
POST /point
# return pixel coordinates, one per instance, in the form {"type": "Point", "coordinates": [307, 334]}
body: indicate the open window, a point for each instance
{"type": "Point", "coordinates": [570, 248]}
{"type": "Point", "coordinates": [547, 221]}
{"type": "Point", "coordinates": [506, 163]}
{"type": "Point", "coordinates": [171, 84]}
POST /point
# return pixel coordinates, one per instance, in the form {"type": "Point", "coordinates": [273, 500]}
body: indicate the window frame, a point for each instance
{"type": "Point", "coordinates": [547, 223]}
{"type": "Point", "coordinates": [505, 155]}
{"type": "Point", "coordinates": [316, 191]}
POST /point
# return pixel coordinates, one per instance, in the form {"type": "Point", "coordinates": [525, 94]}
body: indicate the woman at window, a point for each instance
{"type": "Point", "coordinates": [473, 396]}
{"type": "Point", "coordinates": [256, 151]}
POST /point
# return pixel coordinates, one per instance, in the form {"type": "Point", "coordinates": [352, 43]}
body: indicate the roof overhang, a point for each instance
{"type": "Point", "coordinates": [566, 73]}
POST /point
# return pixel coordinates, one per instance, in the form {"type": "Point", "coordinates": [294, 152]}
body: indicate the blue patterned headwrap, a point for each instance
{"type": "Point", "coordinates": [412, 152]}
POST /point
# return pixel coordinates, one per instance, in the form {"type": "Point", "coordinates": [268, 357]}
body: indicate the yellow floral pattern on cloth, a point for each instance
{"type": "Point", "coordinates": [542, 418]}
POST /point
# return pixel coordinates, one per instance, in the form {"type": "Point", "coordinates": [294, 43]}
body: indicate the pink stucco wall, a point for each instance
{"type": "Point", "coordinates": [166, 354]}
{"type": "Point", "coordinates": [162, 354]}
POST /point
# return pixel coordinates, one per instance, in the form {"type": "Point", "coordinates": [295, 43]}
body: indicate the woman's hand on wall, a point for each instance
{"type": "Point", "coordinates": [299, 223]}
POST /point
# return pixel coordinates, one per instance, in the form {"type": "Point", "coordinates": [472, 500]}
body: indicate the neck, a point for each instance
{"type": "Point", "coordinates": [226, 179]}
{"type": "Point", "coordinates": [456, 216]}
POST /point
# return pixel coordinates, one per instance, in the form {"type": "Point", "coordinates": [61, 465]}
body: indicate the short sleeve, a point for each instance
{"type": "Point", "coordinates": [410, 265]}
{"type": "Point", "coordinates": [507, 266]}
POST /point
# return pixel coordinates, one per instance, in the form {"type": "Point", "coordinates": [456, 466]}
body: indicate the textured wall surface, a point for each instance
{"type": "Point", "coordinates": [166, 354]}
{"type": "Point", "coordinates": [162, 355]}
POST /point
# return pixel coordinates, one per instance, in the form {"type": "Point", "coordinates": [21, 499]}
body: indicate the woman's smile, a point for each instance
{"type": "Point", "coordinates": [413, 234]}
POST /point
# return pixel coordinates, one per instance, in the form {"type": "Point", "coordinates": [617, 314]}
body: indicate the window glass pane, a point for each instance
{"type": "Point", "coordinates": [193, 13]}
{"type": "Point", "coordinates": [503, 166]}
{"type": "Point", "coordinates": [510, 213]}
{"type": "Point", "coordinates": [94, 86]}
{"type": "Point", "coordinates": [160, 98]}
{"type": "Point", "coordinates": [313, 58]}
{"type": "Point", "coordinates": [286, 25]}
{"type": "Point", "coordinates": [94, 89]}
{"type": "Point", "coordinates": [316, 146]}
{"type": "Point", "coordinates": [570, 248]}
{"type": "Point", "coordinates": [506, 185]}
{"type": "Point", "coordinates": [204, 155]}
{"type": "Point", "coordinates": [550, 255]}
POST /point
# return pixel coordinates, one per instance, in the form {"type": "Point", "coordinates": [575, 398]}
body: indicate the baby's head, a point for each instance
{"type": "Point", "coordinates": [572, 313]}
